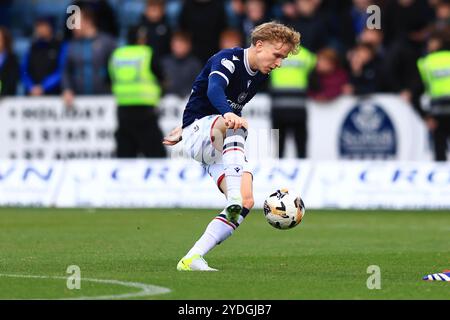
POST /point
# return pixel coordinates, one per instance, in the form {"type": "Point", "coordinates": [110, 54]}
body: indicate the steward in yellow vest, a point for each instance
{"type": "Point", "coordinates": [434, 71]}
{"type": "Point", "coordinates": [133, 82]}
{"type": "Point", "coordinates": [288, 86]}
{"type": "Point", "coordinates": [294, 72]}
{"type": "Point", "coordinates": [135, 78]}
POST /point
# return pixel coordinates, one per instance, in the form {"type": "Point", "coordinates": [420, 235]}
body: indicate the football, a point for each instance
{"type": "Point", "coordinates": [284, 210]}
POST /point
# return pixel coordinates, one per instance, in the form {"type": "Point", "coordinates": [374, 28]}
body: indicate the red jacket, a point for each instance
{"type": "Point", "coordinates": [327, 86]}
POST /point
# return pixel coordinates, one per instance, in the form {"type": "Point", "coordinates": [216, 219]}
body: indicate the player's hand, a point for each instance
{"type": "Point", "coordinates": [233, 121]}
{"type": "Point", "coordinates": [174, 137]}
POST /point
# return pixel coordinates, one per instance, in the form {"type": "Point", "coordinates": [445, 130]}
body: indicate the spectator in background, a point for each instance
{"type": "Point", "coordinates": [355, 20]}
{"type": "Point", "coordinates": [180, 68]}
{"type": "Point", "coordinates": [374, 37]}
{"type": "Point", "coordinates": [43, 64]}
{"type": "Point", "coordinates": [157, 27]}
{"type": "Point", "coordinates": [397, 65]}
{"type": "Point", "coordinates": [230, 38]}
{"type": "Point", "coordinates": [403, 21]}
{"type": "Point", "coordinates": [404, 24]}
{"type": "Point", "coordinates": [351, 20]}
{"type": "Point", "coordinates": [305, 17]}
{"type": "Point", "coordinates": [236, 13]}
{"type": "Point", "coordinates": [5, 13]}
{"type": "Point", "coordinates": [364, 70]}
{"type": "Point", "coordinates": [288, 89]}
{"type": "Point", "coordinates": [9, 66]}
{"type": "Point", "coordinates": [441, 22]}
{"type": "Point", "coordinates": [255, 14]}
{"type": "Point", "coordinates": [434, 71]}
{"type": "Point", "coordinates": [86, 69]}
{"type": "Point", "coordinates": [391, 81]}
{"type": "Point", "coordinates": [204, 20]}
{"type": "Point", "coordinates": [136, 79]}
{"type": "Point", "coordinates": [328, 78]}
{"type": "Point", "coordinates": [105, 16]}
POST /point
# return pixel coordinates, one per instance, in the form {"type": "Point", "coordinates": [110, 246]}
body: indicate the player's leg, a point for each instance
{"type": "Point", "coordinates": [247, 199]}
{"type": "Point", "coordinates": [232, 145]}
{"type": "Point", "coordinates": [219, 229]}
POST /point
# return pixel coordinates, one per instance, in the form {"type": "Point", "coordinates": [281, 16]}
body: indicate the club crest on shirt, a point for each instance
{"type": "Point", "coordinates": [242, 96]}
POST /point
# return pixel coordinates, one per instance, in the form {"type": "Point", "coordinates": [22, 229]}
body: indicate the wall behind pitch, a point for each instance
{"type": "Point", "coordinates": [381, 126]}
{"type": "Point", "coordinates": [161, 183]}
{"type": "Point", "coordinates": [378, 127]}
{"type": "Point", "coordinates": [180, 183]}
{"type": "Point", "coordinates": [43, 128]}
{"type": "Point", "coordinates": [31, 183]}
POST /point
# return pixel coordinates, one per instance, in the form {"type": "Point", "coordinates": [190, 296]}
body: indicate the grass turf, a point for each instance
{"type": "Point", "coordinates": [325, 257]}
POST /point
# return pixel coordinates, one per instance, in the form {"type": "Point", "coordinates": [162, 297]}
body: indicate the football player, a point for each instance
{"type": "Point", "coordinates": [214, 133]}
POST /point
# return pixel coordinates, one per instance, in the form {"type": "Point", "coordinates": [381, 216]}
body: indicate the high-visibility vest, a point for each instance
{"type": "Point", "coordinates": [294, 71]}
{"type": "Point", "coordinates": [434, 70]}
{"type": "Point", "coordinates": [133, 82]}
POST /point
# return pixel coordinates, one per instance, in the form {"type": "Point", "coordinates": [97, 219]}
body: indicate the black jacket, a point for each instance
{"type": "Point", "coordinates": [44, 60]}
{"type": "Point", "coordinates": [158, 36]}
{"type": "Point", "coordinates": [369, 81]}
{"type": "Point", "coordinates": [9, 75]}
{"type": "Point", "coordinates": [205, 20]}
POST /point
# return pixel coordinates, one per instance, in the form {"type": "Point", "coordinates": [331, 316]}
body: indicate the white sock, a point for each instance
{"type": "Point", "coordinates": [233, 156]}
{"type": "Point", "coordinates": [217, 231]}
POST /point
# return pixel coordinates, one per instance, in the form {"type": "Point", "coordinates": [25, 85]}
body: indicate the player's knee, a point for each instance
{"type": "Point", "coordinates": [242, 132]}
{"type": "Point", "coordinates": [219, 126]}
{"type": "Point", "coordinates": [248, 202]}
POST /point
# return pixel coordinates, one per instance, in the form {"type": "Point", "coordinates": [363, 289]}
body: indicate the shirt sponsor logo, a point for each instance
{"type": "Point", "coordinates": [235, 106]}
{"type": "Point", "coordinates": [228, 64]}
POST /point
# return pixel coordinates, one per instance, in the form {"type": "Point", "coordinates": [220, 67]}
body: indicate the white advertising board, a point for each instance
{"type": "Point", "coordinates": [30, 183]}
{"type": "Point", "coordinates": [181, 183]}
{"type": "Point", "coordinates": [378, 127]}
{"type": "Point", "coordinates": [43, 128]}
{"type": "Point", "coordinates": [380, 184]}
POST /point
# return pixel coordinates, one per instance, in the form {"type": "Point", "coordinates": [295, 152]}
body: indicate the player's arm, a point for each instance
{"type": "Point", "coordinates": [218, 81]}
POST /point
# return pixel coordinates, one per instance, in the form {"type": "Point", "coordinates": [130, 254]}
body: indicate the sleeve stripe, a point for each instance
{"type": "Point", "coordinates": [221, 74]}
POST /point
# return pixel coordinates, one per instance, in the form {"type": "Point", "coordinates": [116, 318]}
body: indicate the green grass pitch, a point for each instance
{"type": "Point", "coordinates": [325, 257]}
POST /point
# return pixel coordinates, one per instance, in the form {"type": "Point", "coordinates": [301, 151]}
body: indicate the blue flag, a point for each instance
{"type": "Point", "coordinates": [443, 276]}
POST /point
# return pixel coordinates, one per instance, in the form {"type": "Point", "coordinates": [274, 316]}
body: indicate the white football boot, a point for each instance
{"type": "Point", "coordinates": [194, 263]}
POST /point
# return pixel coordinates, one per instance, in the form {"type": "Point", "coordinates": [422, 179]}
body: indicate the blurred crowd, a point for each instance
{"type": "Point", "coordinates": [39, 55]}
{"type": "Point", "coordinates": [365, 60]}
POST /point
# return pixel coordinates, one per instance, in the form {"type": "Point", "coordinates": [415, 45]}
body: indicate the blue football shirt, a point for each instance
{"type": "Point", "coordinates": [228, 72]}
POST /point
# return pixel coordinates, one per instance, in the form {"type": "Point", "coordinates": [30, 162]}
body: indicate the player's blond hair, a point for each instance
{"type": "Point", "coordinates": [277, 32]}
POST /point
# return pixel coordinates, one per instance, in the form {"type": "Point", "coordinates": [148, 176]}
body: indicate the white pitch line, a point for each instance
{"type": "Point", "coordinates": [146, 289]}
